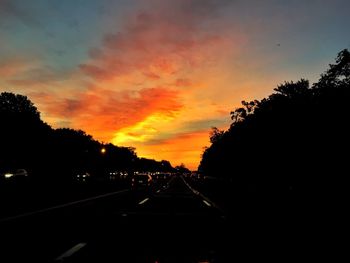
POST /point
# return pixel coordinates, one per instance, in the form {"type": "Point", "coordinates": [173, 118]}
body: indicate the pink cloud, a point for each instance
{"type": "Point", "coordinates": [163, 38]}
{"type": "Point", "coordinates": [11, 67]}
{"type": "Point", "coordinates": [141, 70]}
{"type": "Point", "coordinates": [158, 45]}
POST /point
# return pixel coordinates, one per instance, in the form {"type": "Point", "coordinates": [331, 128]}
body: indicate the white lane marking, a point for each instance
{"type": "Point", "coordinates": [64, 205]}
{"type": "Point", "coordinates": [158, 191]}
{"type": "Point", "coordinates": [204, 197]}
{"type": "Point", "coordinates": [144, 201]}
{"type": "Point", "coordinates": [71, 251]}
{"type": "Point", "coordinates": [207, 203]}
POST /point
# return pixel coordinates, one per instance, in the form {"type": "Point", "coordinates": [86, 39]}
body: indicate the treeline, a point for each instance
{"type": "Point", "coordinates": [296, 139]}
{"type": "Point", "coordinates": [29, 143]}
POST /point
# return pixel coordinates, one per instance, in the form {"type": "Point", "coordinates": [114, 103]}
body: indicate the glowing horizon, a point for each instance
{"type": "Point", "coordinates": [158, 74]}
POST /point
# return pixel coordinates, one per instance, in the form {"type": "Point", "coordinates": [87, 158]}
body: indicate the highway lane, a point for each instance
{"type": "Point", "coordinates": [42, 234]}
{"type": "Point", "coordinates": [165, 224]}
{"type": "Point", "coordinates": [171, 225]}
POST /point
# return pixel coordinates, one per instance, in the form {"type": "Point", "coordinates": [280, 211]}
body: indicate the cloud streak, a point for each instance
{"type": "Point", "coordinates": [144, 71]}
{"type": "Point", "coordinates": [10, 67]}
{"type": "Point", "coordinates": [136, 88]}
{"type": "Point", "coordinates": [156, 74]}
{"type": "Point", "coordinates": [162, 39]}
{"type": "Point", "coordinates": [103, 112]}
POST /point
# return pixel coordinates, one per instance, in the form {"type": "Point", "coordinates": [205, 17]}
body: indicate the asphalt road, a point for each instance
{"type": "Point", "coordinates": [167, 223]}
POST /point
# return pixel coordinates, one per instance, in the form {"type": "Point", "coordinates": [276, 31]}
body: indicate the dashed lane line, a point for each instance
{"type": "Point", "coordinates": [143, 201]}
{"type": "Point", "coordinates": [207, 203]}
{"type": "Point", "coordinates": [206, 200]}
{"type": "Point", "coordinates": [70, 252]}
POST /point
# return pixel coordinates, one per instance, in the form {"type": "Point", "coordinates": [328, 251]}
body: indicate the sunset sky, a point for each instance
{"type": "Point", "coordinates": [158, 74]}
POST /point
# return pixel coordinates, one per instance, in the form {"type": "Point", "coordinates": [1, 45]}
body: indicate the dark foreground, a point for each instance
{"type": "Point", "coordinates": [168, 223]}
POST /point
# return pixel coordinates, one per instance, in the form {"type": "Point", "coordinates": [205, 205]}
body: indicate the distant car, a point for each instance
{"type": "Point", "coordinates": [16, 173]}
{"type": "Point", "coordinates": [141, 180]}
{"type": "Point", "coordinates": [161, 178]}
{"type": "Point", "coordinates": [82, 176]}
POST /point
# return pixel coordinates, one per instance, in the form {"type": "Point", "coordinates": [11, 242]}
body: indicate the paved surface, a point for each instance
{"type": "Point", "coordinates": [168, 223]}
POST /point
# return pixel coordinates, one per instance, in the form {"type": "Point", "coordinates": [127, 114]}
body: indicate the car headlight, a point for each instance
{"type": "Point", "coordinates": [8, 175]}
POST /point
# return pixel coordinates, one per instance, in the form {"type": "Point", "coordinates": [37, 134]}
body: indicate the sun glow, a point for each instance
{"type": "Point", "coordinates": [142, 131]}
{"type": "Point", "coordinates": [158, 74]}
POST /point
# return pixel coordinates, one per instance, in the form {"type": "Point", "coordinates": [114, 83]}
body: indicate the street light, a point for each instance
{"type": "Point", "coordinates": [103, 150]}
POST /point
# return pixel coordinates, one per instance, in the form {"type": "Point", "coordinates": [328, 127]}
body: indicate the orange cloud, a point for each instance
{"type": "Point", "coordinates": [9, 68]}
{"type": "Point", "coordinates": [102, 112]}
{"type": "Point", "coordinates": [183, 148]}
{"type": "Point", "coordinates": [159, 77]}
{"type": "Point", "coordinates": [182, 82]}
{"type": "Point", "coordinates": [149, 78]}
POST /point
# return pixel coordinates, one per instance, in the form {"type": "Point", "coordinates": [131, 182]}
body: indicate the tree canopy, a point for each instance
{"type": "Point", "coordinates": [27, 142]}
{"type": "Point", "coordinates": [294, 139]}
{"type": "Point", "coordinates": [17, 104]}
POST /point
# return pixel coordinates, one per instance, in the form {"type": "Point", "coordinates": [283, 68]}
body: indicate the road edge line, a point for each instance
{"type": "Point", "coordinates": [224, 214]}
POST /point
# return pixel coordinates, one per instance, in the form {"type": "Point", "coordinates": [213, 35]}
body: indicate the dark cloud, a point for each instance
{"type": "Point", "coordinates": [59, 52]}
{"type": "Point", "coordinates": [203, 8]}
{"type": "Point", "coordinates": [10, 9]}
{"type": "Point", "coordinates": [203, 124]}
{"type": "Point", "coordinates": [50, 34]}
{"type": "Point", "coordinates": [74, 24]}
{"type": "Point", "coordinates": [71, 106]}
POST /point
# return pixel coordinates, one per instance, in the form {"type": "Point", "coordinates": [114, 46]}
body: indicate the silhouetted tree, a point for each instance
{"type": "Point", "coordinates": [14, 104]}
{"type": "Point", "coordinates": [294, 139]}
{"type": "Point", "coordinates": [72, 150]}
{"type": "Point", "coordinates": [165, 166]}
{"type": "Point", "coordinates": [182, 169]}
{"type": "Point", "coordinates": [59, 154]}
{"type": "Point", "coordinates": [338, 74]}
{"type": "Point", "coordinates": [293, 90]}
{"type": "Point", "coordinates": [215, 134]}
{"type": "Point", "coordinates": [23, 135]}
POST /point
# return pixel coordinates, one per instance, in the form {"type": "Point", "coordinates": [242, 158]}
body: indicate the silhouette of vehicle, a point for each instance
{"type": "Point", "coordinates": [161, 177]}
{"type": "Point", "coordinates": [16, 173]}
{"type": "Point", "coordinates": [82, 176]}
{"type": "Point", "coordinates": [141, 180]}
